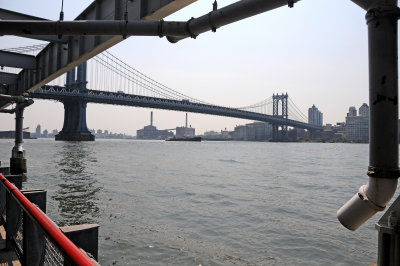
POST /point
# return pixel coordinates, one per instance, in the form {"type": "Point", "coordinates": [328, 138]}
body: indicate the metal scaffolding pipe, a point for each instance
{"type": "Point", "coordinates": [174, 30]}
{"type": "Point", "coordinates": [229, 14]}
{"type": "Point", "coordinates": [383, 169]}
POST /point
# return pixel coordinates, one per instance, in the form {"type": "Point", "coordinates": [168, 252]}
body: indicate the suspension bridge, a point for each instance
{"type": "Point", "coordinates": [106, 79]}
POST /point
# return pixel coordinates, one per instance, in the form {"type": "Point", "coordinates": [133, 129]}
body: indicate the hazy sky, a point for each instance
{"type": "Point", "coordinates": [316, 52]}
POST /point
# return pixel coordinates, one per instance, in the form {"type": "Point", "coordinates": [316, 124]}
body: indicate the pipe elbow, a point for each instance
{"type": "Point", "coordinates": [369, 199]}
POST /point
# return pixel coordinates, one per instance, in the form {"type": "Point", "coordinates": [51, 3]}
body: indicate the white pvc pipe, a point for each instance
{"type": "Point", "coordinates": [370, 199]}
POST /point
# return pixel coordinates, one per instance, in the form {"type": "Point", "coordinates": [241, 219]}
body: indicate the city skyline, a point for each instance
{"type": "Point", "coordinates": [284, 50]}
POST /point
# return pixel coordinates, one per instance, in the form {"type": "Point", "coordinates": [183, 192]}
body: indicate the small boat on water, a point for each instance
{"type": "Point", "coordinates": [184, 139]}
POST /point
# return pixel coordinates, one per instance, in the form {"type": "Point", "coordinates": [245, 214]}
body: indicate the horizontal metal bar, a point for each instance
{"type": "Point", "coordinates": [12, 15]}
{"type": "Point", "coordinates": [11, 59]}
{"type": "Point", "coordinates": [91, 27]}
{"type": "Point", "coordinates": [8, 111]}
{"type": "Point", "coordinates": [16, 99]}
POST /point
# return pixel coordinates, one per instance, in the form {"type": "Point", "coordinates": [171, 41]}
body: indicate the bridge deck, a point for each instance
{"type": "Point", "coordinates": [64, 94]}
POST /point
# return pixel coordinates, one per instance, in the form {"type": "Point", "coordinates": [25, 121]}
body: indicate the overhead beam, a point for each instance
{"type": "Point", "coordinates": [12, 15]}
{"type": "Point", "coordinates": [367, 4]}
{"type": "Point", "coordinates": [10, 59]}
{"type": "Point", "coordinates": [57, 58]}
{"type": "Point", "coordinates": [8, 78]}
{"type": "Point", "coordinates": [160, 9]}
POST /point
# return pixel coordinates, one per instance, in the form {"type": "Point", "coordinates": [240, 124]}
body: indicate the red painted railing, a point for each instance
{"type": "Point", "coordinates": [69, 249]}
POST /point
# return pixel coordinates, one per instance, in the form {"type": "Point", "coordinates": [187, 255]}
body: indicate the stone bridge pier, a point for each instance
{"type": "Point", "coordinates": [75, 128]}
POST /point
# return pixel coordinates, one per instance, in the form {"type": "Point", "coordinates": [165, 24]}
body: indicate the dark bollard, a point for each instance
{"type": "Point", "coordinates": [85, 236]}
{"type": "Point", "coordinates": [18, 166]}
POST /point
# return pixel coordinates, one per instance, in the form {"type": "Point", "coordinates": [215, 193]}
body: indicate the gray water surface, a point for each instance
{"type": "Point", "coordinates": [208, 203]}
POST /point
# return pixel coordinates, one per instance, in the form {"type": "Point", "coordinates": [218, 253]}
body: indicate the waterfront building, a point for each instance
{"type": "Point", "coordinates": [11, 135]}
{"type": "Point", "coordinates": [357, 127]}
{"type": "Point", "coordinates": [211, 133]}
{"type": "Point", "coordinates": [315, 117]}
{"type": "Point", "coordinates": [182, 132]}
{"type": "Point", "coordinates": [257, 131]}
{"type": "Point", "coordinates": [151, 132]}
{"type": "Point", "coordinates": [45, 133]}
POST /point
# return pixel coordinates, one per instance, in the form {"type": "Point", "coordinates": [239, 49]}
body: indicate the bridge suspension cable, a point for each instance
{"type": "Point", "coordinates": [263, 107]}
{"type": "Point", "coordinates": [295, 112]}
{"type": "Point", "coordinates": [130, 80]}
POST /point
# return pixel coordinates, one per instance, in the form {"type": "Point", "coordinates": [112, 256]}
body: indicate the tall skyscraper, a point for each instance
{"type": "Point", "coordinates": [364, 110]}
{"type": "Point", "coordinates": [352, 111]}
{"type": "Point", "coordinates": [315, 117]}
{"type": "Point", "coordinates": [357, 127]}
{"type": "Point", "coordinates": [38, 131]}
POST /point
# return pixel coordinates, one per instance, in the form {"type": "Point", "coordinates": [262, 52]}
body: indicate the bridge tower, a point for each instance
{"type": "Point", "coordinates": [283, 134]}
{"type": "Point", "coordinates": [75, 128]}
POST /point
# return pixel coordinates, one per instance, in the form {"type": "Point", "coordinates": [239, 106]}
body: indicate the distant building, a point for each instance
{"type": "Point", "coordinates": [11, 135]}
{"type": "Point", "coordinates": [364, 110]}
{"type": "Point", "coordinates": [151, 132]}
{"type": "Point", "coordinates": [352, 112]}
{"type": "Point", "coordinates": [38, 131]}
{"type": "Point", "coordinates": [357, 127]}
{"type": "Point", "coordinates": [182, 132]}
{"type": "Point", "coordinates": [211, 133]}
{"type": "Point", "coordinates": [315, 117]}
{"type": "Point", "coordinates": [45, 133]}
{"type": "Point", "coordinates": [257, 131]}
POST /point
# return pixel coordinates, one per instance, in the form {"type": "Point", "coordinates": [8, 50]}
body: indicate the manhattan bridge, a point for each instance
{"type": "Point", "coordinates": [106, 79]}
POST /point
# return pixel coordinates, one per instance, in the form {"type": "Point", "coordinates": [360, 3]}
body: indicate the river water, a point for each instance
{"type": "Point", "coordinates": [208, 203]}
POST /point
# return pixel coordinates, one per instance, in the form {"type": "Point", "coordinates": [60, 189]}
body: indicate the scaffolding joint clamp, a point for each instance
{"type": "Point", "coordinates": [191, 34]}
{"type": "Point", "coordinates": [213, 28]}
{"type": "Point", "coordinates": [160, 28]}
{"type": "Point", "coordinates": [382, 11]}
{"type": "Point", "coordinates": [381, 172]}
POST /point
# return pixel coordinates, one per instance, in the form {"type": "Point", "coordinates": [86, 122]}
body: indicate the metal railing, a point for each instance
{"type": "Point", "coordinates": [32, 234]}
